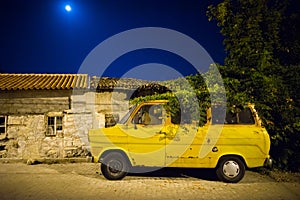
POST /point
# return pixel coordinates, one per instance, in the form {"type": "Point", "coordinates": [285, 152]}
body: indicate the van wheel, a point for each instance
{"type": "Point", "coordinates": [114, 166]}
{"type": "Point", "coordinates": [230, 169]}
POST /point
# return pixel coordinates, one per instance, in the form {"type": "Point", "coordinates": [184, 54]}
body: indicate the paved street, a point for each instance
{"type": "Point", "coordinates": [84, 181]}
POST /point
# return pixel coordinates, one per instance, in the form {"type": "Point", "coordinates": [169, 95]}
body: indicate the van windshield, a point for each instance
{"type": "Point", "coordinates": [125, 118]}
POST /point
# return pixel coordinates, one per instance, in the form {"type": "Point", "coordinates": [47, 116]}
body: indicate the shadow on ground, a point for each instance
{"type": "Point", "coordinates": [205, 174]}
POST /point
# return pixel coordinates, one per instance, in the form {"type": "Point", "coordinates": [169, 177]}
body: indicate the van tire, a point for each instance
{"type": "Point", "coordinates": [230, 169]}
{"type": "Point", "coordinates": [114, 166]}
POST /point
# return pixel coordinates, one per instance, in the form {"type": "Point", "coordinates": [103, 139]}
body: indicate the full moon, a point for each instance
{"type": "Point", "coordinates": [68, 8]}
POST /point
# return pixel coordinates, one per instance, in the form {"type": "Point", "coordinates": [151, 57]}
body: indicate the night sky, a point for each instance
{"type": "Point", "coordinates": [40, 36]}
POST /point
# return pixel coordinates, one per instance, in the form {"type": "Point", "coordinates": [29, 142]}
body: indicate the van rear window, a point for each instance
{"type": "Point", "coordinates": [238, 116]}
{"type": "Point", "coordinates": [245, 116]}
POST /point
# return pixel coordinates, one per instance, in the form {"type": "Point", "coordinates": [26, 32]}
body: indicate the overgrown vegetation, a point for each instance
{"type": "Point", "coordinates": [182, 104]}
{"type": "Point", "coordinates": [263, 66]}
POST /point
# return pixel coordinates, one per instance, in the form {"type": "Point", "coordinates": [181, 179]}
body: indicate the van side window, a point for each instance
{"type": "Point", "coordinates": [245, 116]}
{"type": "Point", "coordinates": [231, 118]}
{"type": "Point", "coordinates": [237, 116]}
{"type": "Point", "coordinates": [176, 117]}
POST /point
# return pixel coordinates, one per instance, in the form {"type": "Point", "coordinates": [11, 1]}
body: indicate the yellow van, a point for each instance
{"type": "Point", "coordinates": [148, 136]}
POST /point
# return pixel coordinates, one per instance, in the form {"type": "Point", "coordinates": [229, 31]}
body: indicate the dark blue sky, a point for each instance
{"type": "Point", "coordinates": [39, 36]}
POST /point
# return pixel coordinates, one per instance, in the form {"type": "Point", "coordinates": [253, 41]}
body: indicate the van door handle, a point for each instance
{"type": "Point", "coordinates": [162, 133]}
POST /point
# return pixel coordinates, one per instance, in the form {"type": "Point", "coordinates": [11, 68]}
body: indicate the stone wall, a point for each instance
{"type": "Point", "coordinates": [114, 103]}
{"type": "Point", "coordinates": [27, 121]}
{"type": "Point", "coordinates": [26, 126]}
{"type": "Point", "coordinates": [24, 135]}
{"type": "Point", "coordinates": [34, 101]}
{"type": "Point", "coordinates": [76, 126]}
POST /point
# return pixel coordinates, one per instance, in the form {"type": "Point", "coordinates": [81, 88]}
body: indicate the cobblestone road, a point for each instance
{"type": "Point", "coordinates": [84, 181]}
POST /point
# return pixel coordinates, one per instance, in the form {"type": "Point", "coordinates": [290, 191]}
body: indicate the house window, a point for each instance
{"type": "Point", "coordinates": [3, 125]}
{"type": "Point", "coordinates": [111, 120]}
{"type": "Point", "coordinates": [54, 125]}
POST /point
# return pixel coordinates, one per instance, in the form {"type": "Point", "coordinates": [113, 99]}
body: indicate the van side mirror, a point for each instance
{"type": "Point", "coordinates": [135, 126]}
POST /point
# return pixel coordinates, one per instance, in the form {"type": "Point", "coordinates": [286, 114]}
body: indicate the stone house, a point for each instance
{"type": "Point", "coordinates": [49, 115]}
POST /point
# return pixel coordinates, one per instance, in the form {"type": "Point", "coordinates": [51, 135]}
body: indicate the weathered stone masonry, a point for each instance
{"type": "Point", "coordinates": [27, 112]}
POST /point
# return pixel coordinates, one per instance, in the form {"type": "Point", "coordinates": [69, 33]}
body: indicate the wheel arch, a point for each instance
{"type": "Point", "coordinates": [232, 155]}
{"type": "Point", "coordinates": [108, 151]}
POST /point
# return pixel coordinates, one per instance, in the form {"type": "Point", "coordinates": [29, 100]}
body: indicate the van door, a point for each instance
{"type": "Point", "coordinates": [182, 148]}
{"type": "Point", "coordinates": [146, 140]}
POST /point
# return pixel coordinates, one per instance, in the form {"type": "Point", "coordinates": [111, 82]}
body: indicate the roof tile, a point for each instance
{"type": "Point", "coordinates": [116, 83]}
{"type": "Point", "coordinates": [43, 81]}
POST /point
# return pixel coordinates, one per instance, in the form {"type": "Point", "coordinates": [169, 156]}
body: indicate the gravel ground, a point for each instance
{"type": "Point", "coordinates": [84, 181]}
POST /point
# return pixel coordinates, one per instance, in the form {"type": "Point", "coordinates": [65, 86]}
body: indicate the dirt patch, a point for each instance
{"type": "Point", "coordinates": [283, 176]}
{"type": "Point", "coordinates": [280, 175]}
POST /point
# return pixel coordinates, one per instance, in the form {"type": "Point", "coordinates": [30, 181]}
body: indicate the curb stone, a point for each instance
{"type": "Point", "coordinates": [32, 161]}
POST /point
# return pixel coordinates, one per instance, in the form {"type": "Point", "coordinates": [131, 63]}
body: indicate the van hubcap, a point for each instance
{"type": "Point", "coordinates": [115, 166]}
{"type": "Point", "coordinates": [231, 169]}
